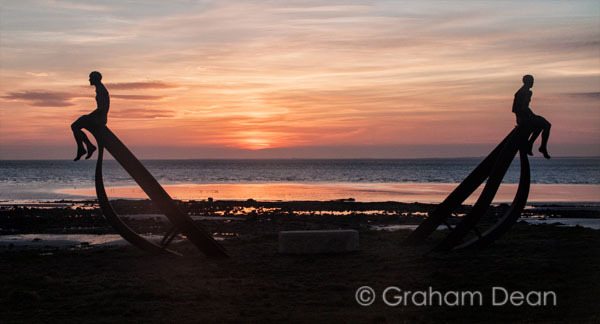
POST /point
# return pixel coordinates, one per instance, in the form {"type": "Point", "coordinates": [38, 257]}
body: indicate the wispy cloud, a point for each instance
{"type": "Point", "coordinates": [141, 85]}
{"type": "Point", "coordinates": [138, 113]}
{"type": "Point", "coordinates": [77, 5]}
{"type": "Point", "coordinates": [65, 99]}
{"type": "Point", "coordinates": [39, 74]}
{"type": "Point", "coordinates": [584, 95]}
{"type": "Point", "coordinates": [43, 98]}
{"type": "Point", "coordinates": [138, 97]}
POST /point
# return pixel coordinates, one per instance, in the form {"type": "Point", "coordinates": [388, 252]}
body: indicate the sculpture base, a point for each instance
{"type": "Point", "coordinates": [316, 242]}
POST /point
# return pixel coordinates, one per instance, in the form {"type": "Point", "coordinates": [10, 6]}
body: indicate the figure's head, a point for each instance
{"type": "Point", "coordinates": [528, 80]}
{"type": "Point", "coordinates": [95, 78]}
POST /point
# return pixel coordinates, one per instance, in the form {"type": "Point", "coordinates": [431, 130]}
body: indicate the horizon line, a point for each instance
{"type": "Point", "coordinates": [306, 158]}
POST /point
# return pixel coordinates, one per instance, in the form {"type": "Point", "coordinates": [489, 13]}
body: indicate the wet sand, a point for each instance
{"type": "Point", "coordinates": [367, 192]}
{"type": "Point", "coordinates": [117, 284]}
{"type": "Point", "coordinates": [258, 285]}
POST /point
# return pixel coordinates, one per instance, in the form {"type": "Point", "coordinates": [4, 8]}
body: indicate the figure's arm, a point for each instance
{"type": "Point", "coordinates": [526, 109]}
{"type": "Point", "coordinates": [521, 104]}
{"type": "Point", "coordinates": [529, 112]}
{"type": "Point", "coordinates": [102, 100]}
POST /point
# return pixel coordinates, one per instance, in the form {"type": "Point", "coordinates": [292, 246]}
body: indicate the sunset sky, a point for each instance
{"type": "Point", "coordinates": [283, 79]}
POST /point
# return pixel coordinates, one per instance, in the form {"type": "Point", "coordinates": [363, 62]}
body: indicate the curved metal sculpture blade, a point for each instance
{"type": "Point", "coordinates": [512, 214]}
{"type": "Point", "coordinates": [194, 232]}
{"type": "Point", "coordinates": [469, 221]}
{"type": "Point", "coordinates": [458, 196]}
{"type": "Point", "coordinates": [113, 218]}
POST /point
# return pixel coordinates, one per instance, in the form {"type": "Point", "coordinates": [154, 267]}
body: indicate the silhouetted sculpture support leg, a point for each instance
{"type": "Point", "coordinates": [115, 221]}
{"type": "Point", "coordinates": [493, 168]}
{"type": "Point", "coordinates": [511, 216]}
{"type": "Point", "coordinates": [194, 232]}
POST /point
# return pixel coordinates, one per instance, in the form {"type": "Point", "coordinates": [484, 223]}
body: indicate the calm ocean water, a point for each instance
{"type": "Point", "coordinates": [32, 180]}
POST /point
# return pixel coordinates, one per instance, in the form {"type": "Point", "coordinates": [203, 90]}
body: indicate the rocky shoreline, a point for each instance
{"type": "Point", "coordinates": [240, 217]}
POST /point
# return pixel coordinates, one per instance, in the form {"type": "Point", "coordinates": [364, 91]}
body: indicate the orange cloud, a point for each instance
{"type": "Point", "coordinates": [141, 85]}
{"type": "Point", "coordinates": [43, 98]}
{"type": "Point", "coordinates": [137, 97]}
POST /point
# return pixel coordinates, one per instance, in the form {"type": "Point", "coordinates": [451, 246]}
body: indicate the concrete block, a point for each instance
{"type": "Point", "coordinates": [322, 241]}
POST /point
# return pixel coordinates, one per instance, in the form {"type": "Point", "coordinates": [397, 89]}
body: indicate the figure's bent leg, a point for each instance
{"type": "Point", "coordinates": [81, 138]}
{"type": "Point", "coordinates": [545, 126]}
{"type": "Point", "coordinates": [90, 149]}
{"type": "Point", "coordinates": [536, 130]}
{"type": "Point", "coordinates": [532, 139]}
{"type": "Point", "coordinates": [78, 134]}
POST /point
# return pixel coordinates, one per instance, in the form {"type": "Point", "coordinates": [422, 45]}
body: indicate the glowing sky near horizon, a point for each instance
{"type": "Point", "coordinates": [285, 74]}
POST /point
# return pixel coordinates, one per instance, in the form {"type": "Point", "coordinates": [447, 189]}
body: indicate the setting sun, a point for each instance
{"type": "Point", "coordinates": [254, 144]}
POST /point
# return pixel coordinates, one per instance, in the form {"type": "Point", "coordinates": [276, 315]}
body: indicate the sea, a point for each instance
{"type": "Point", "coordinates": [43, 180]}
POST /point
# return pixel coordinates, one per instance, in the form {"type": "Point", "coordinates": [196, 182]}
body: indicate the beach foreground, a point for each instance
{"type": "Point", "coordinates": [257, 284]}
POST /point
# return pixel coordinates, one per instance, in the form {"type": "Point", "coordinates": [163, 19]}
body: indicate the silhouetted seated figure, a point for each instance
{"type": "Point", "coordinates": [96, 117]}
{"type": "Point", "coordinates": [525, 116]}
